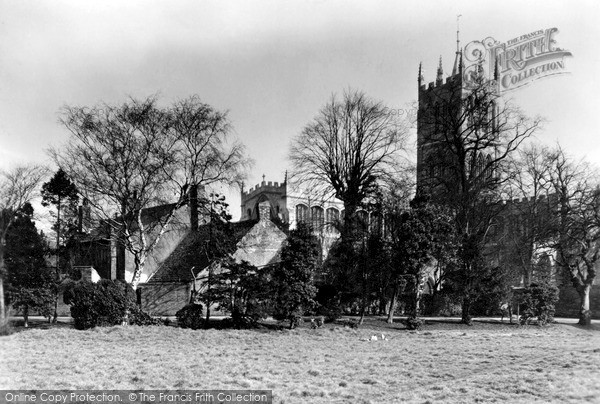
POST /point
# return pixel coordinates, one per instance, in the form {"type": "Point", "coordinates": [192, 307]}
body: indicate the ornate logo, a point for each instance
{"type": "Point", "coordinates": [514, 63]}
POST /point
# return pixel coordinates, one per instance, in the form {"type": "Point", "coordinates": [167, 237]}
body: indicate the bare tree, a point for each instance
{"type": "Point", "coordinates": [350, 146]}
{"type": "Point", "coordinates": [18, 186]}
{"type": "Point", "coordinates": [467, 136]}
{"type": "Point", "coordinates": [577, 241]}
{"type": "Point", "coordinates": [126, 159]}
{"type": "Point", "coordinates": [529, 220]}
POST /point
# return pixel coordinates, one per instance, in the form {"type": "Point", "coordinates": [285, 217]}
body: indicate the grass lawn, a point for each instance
{"type": "Point", "coordinates": [444, 362]}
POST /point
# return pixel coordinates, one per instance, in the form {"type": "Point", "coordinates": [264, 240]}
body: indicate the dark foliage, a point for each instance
{"type": "Point", "coordinates": [414, 323]}
{"type": "Point", "coordinates": [191, 316]}
{"type": "Point", "coordinates": [105, 303]}
{"type": "Point", "coordinates": [243, 291]}
{"type": "Point", "coordinates": [328, 303]}
{"type": "Point", "coordinates": [29, 281]}
{"type": "Point", "coordinates": [422, 237]}
{"type": "Point", "coordinates": [64, 196]}
{"type": "Point", "coordinates": [293, 278]}
{"type": "Point", "coordinates": [537, 302]}
{"type": "Point", "coordinates": [443, 303]}
{"type": "Point", "coordinates": [493, 289]}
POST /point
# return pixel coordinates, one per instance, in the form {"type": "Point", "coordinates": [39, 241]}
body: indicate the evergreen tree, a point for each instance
{"type": "Point", "coordinates": [30, 283]}
{"type": "Point", "coordinates": [293, 278]}
{"type": "Point", "coordinates": [422, 238]}
{"type": "Point", "coordinates": [63, 195]}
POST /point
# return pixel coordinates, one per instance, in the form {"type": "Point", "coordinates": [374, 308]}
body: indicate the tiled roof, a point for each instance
{"type": "Point", "coordinates": [191, 252]}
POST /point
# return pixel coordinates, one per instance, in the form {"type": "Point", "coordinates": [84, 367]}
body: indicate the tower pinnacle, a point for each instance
{"type": "Point", "coordinates": [420, 78]}
{"type": "Point", "coordinates": [458, 58]}
{"type": "Point", "coordinates": [439, 79]}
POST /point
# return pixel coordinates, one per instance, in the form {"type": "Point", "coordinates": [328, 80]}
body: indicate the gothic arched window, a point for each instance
{"type": "Point", "coordinates": [332, 216]}
{"type": "Point", "coordinates": [302, 213]}
{"type": "Point", "coordinates": [318, 218]}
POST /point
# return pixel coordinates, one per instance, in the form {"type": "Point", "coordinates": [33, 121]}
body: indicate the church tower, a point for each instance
{"type": "Point", "coordinates": [438, 102]}
{"type": "Point", "coordinates": [454, 114]}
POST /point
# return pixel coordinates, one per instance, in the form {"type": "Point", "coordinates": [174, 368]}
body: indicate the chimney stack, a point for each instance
{"type": "Point", "coordinates": [80, 219]}
{"type": "Point", "coordinates": [193, 201]}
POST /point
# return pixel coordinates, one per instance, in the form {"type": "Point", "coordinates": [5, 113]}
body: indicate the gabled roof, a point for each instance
{"type": "Point", "coordinates": [192, 252]}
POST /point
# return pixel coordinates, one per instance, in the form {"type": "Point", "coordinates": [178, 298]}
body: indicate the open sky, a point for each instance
{"type": "Point", "coordinates": [272, 64]}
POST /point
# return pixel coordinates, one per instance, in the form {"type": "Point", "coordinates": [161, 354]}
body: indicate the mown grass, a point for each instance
{"type": "Point", "coordinates": [442, 363]}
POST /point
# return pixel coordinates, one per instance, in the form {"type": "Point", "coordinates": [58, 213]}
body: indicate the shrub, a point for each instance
{"type": "Point", "coordinates": [103, 304]}
{"type": "Point", "coordinates": [139, 317]}
{"type": "Point", "coordinates": [538, 301]}
{"type": "Point", "coordinates": [445, 304]}
{"type": "Point", "coordinates": [328, 303]}
{"type": "Point", "coordinates": [414, 323]}
{"type": "Point", "coordinates": [191, 316]}
{"type": "Point", "coordinates": [330, 312]}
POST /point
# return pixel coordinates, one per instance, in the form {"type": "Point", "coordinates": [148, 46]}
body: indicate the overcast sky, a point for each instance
{"type": "Point", "coordinates": [272, 64]}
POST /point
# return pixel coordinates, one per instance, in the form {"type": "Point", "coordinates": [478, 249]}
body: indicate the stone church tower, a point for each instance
{"type": "Point", "coordinates": [457, 116]}
{"type": "Point", "coordinates": [434, 109]}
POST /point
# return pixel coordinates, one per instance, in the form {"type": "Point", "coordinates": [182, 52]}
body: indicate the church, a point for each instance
{"type": "Point", "coordinates": [445, 110]}
{"type": "Point", "coordinates": [271, 208]}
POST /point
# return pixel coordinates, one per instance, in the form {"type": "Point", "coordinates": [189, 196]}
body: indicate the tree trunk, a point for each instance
{"type": "Point", "coordinates": [585, 314]}
{"type": "Point", "coordinates": [208, 296]}
{"type": "Point", "coordinates": [382, 303]}
{"type": "Point", "coordinates": [2, 308]}
{"type": "Point", "coordinates": [363, 307]}
{"type": "Point", "coordinates": [466, 311]}
{"type": "Point", "coordinates": [55, 317]}
{"type": "Point", "coordinates": [392, 309]}
{"type": "Point", "coordinates": [3, 318]}
{"type": "Point", "coordinates": [26, 316]}
{"type": "Point", "coordinates": [362, 313]}
{"type": "Point", "coordinates": [417, 301]}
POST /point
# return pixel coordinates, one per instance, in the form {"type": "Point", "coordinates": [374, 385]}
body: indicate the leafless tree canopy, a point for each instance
{"type": "Point", "coordinates": [561, 216]}
{"type": "Point", "coordinates": [350, 146]}
{"type": "Point", "coordinates": [578, 223]}
{"type": "Point", "coordinates": [128, 158]}
{"type": "Point", "coordinates": [18, 185]}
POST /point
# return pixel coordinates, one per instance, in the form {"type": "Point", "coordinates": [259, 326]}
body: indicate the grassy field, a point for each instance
{"type": "Point", "coordinates": [442, 363]}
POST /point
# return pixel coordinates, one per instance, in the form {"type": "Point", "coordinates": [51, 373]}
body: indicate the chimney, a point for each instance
{"type": "Point", "coordinates": [264, 211]}
{"type": "Point", "coordinates": [80, 219]}
{"type": "Point", "coordinates": [193, 201]}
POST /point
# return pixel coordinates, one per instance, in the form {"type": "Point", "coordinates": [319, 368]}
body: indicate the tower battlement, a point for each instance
{"type": "Point", "coordinates": [264, 186]}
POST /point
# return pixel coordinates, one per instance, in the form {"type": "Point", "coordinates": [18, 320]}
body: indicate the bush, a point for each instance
{"type": "Point", "coordinates": [444, 304]}
{"type": "Point", "coordinates": [413, 323]}
{"type": "Point", "coordinates": [330, 312]}
{"type": "Point", "coordinates": [328, 303]}
{"type": "Point", "coordinates": [538, 301]}
{"type": "Point", "coordinates": [103, 304]}
{"type": "Point", "coordinates": [191, 316]}
{"type": "Point", "coordinates": [139, 317]}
